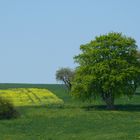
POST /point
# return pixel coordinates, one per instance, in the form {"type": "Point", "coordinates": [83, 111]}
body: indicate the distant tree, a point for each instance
{"type": "Point", "coordinates": [109, 67]}
{"type": "Point", "coordinates": [65, 75]}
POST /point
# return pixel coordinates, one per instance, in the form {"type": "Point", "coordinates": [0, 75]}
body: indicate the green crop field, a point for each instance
{"type": "Point", "coordinates": [74, 121]}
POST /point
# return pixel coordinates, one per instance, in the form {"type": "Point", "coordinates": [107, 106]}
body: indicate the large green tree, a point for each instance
{"type": "Point", "coordinates": [108, 68]}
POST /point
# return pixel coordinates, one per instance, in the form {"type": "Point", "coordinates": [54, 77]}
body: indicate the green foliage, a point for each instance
{"type": "Point", "coordinates": [65, 75]}
{"type": "Point", "coordinates": [108, 68]}
{"type": "Point", "coordinates": [7, 109]}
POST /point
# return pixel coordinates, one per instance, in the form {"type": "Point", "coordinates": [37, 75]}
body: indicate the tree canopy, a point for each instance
{"type": "Point", "coordinates": [66, 76]}
{"type": "Point", "coordinates": [108, 68]}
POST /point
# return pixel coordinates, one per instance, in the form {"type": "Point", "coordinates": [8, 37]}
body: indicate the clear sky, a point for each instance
{"type": "Point", "coordinates": [39, 36]}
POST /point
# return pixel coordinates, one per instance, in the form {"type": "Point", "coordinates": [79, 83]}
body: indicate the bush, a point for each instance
{"type": "Point", "coordinates": [7, 109]}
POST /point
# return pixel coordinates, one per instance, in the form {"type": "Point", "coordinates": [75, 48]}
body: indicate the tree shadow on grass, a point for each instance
{"type": "Point", "coordinates": [127, 107]}
{"type": "Point", "coordinates": [137, 93]}
{"type": "Point", "coordinates": [39, 107]}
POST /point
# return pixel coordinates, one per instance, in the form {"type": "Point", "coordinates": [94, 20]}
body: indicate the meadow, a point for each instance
{"type": "Point", "coordinates": [74, 120]}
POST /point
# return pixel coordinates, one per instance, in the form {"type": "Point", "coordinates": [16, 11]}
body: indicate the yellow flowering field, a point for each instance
{"type": "Point", "coordinates": [30, 96]}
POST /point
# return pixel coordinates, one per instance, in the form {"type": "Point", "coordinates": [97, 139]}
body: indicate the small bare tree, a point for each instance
{"type": "Point", "coordinates": [66, 76]}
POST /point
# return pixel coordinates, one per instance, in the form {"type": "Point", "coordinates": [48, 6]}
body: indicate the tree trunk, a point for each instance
{"type": "Point", "coordinates": [108, 98]}
{"type": "Point", "coordinates": [110, 105]}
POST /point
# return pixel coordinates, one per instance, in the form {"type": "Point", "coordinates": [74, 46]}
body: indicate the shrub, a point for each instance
{"type": "Point", "coordinates": [7, 110]}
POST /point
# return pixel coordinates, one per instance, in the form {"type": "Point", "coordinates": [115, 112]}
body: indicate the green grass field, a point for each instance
{"type": "Point", "coordinates": [73, 121]}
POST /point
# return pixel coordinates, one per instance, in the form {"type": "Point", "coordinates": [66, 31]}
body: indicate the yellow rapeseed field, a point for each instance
{"type": "Point", "coordinates": [30, 96]}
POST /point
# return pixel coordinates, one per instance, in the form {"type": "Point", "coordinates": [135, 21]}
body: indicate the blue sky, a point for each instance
{"type": "Point", "coordinates": [39, 36]}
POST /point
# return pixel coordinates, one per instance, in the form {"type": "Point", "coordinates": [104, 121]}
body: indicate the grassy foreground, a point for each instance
{"type": "Point", "coordinates": [74, 121]}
